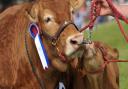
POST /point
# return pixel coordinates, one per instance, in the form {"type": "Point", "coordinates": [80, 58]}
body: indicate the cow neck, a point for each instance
{"type": "Point", "coordinates": [29, 52]}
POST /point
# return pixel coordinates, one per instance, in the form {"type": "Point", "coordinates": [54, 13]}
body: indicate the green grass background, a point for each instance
{"type": "Point", "coordinates": [109, 33]}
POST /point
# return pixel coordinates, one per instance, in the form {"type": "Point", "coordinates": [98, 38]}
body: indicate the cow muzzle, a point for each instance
{"type": "Point", "coordinates": [72, 43]}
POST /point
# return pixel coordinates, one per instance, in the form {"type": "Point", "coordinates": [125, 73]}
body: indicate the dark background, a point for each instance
{"type": "Point", "coordinates": [6, 3]}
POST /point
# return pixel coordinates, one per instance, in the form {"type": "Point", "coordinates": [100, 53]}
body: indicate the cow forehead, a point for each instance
{"type": "Point", "coordinates": [60, 7]}
{"type": "Point", "coordinates": [56, 4]}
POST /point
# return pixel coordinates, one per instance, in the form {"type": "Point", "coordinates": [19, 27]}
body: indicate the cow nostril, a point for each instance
{"type": "Point", "coordinates": [74, 42]}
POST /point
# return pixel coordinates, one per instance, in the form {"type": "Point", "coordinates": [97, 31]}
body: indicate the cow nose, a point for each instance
{"type": "Point", "coordinates": [72, 43]}
{"type": "Point", "coordinates": [76, 39]}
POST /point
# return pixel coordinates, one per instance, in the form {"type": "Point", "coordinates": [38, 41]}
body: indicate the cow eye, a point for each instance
{"type": "Point", "coordinates": [47, 20]}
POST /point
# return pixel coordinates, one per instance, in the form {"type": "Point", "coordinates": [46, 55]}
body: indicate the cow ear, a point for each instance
{"type": "Point", "coordinates": [33, 13]}
{"type": "Point", "coordinates": [76, 4]}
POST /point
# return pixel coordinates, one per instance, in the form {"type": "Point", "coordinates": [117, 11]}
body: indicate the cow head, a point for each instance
{"type": "Point", "coordinates": [54, 19]}
{"type": "Point", "coordinates": [93, 56]}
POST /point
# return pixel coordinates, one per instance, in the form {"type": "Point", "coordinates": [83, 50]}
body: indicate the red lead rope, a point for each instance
{"type": "Point", "coordinates": [94, 13]}
{"type": "Point", "coordinates": [117, 15]}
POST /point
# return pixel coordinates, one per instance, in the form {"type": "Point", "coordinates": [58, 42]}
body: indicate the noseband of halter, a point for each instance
{"type": "Point", "coordinates": [62, 27]}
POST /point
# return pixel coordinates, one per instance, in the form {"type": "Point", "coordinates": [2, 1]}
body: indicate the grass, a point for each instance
{"type": "Point", "coordinates": [110, 34]}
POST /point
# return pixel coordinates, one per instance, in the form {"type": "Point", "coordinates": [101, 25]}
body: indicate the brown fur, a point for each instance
{"type": "Point", "coordinates": [15, 68]}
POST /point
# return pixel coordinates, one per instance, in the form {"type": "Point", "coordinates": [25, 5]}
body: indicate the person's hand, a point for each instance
{"type": "Point", "coordinates": [105, 10]}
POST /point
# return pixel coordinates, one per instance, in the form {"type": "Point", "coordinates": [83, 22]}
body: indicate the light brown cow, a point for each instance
{"type": "Point", "coordinates": [90, 65]}
{"type": "Point", "coordinates": [18, 55]}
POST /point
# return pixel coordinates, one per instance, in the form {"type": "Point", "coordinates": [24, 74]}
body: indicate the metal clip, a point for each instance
{"type": "Point", "coordinates": [54, 42]}
{"type": "Point", "coordinates": [90, 34]}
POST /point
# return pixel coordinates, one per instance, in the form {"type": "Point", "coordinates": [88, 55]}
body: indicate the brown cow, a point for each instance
{"type": "Point", "coordinates": [20, 67]}
{"type": "Point", "coordinates": [90, 66]}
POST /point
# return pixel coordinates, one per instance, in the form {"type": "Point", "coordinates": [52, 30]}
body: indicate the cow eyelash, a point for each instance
{"type": "Point", "coordinates": [48, 19]}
